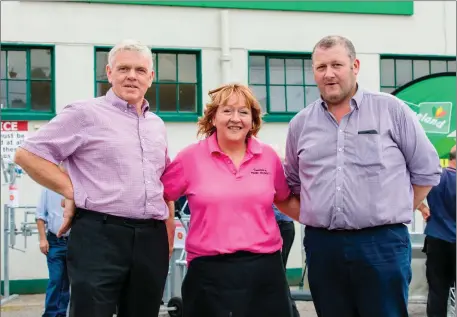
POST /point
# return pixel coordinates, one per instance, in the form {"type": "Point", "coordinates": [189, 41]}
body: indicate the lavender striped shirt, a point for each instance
{"type": "Point", "coordinates": [114, 157]}
{"type": "Point", "coordinates": [358, 173]}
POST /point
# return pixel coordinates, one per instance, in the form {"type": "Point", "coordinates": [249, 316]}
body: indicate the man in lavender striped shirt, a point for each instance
{"type": "Point", "coordinates": [115, 151]}
{"type": "Point", "coordinates": [361, 163]}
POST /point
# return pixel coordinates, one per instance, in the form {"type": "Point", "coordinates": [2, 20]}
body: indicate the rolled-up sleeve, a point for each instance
{"type": "Point", "coordinates": [420, 155]}
{"type": "Point", "coordinates": [174, 180]}
{"type": "Point", "coordinates": [41, 209]}
{"type": "Point", "coordinates": [60, 137]}
{"type": "Point", "coordinates": [291, 160]}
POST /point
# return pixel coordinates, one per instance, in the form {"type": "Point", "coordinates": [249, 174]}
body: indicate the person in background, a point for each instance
{"type": "Point", "coordinates": [231, 180]}
{"type": "Point", "coordinates": [440, 241]}
{"type": "Point", "coordinates": [115, 151]}
{"type": "Point", "coordinates": [362, 164]}
{"type": "Point", "coordinates": [287, 230]}
{"type": "Point", "coordinates": [49, 218]}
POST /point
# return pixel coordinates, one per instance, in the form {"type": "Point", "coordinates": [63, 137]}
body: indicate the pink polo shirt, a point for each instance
{"type": "Point", "coordinates": [230, 210]}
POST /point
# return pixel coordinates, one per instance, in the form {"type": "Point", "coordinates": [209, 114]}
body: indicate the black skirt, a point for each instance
{"type": "Point", "coordinates": [242, 284]}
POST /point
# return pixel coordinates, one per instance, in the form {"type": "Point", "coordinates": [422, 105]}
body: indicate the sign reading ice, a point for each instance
{"type": "Point", "coordinates": [13, 134]}
{"type": "Point", "coordinates": [435, 117]}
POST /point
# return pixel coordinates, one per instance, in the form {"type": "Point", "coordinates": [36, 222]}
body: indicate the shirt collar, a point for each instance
{"type": "Point", "coordinates": [119, 103]}
{"type": "Point", "coordinates": [253, 145]}
{"type": "Point", "coordinates": [356, 100]}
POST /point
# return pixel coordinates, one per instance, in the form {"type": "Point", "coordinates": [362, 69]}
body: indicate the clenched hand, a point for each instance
{"type": "Point", "coordinates": [68, 213]}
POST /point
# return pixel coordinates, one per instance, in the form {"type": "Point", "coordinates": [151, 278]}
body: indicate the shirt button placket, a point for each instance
{"type": "Point", "coordinates": [146, 167]}
{"type": "Point", "coordinates": [339, 175]}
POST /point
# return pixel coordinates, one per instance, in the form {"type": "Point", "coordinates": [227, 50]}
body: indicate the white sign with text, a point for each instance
{"type": "Point", "coordinates": [13, 134]}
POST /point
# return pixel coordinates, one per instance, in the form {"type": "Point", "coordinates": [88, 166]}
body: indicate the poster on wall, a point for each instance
{"type": "Point", "coordinates": [13, 134]}
{"type": "Point", "coordinates": [433, 99]}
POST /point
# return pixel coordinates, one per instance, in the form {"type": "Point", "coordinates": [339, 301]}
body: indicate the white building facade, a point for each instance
{"type": "Point", "coordinates": [53, 53]}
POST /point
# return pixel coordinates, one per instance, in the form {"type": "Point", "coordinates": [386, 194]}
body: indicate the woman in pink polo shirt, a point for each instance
{"type": "Point", "coordinates": [231, 180]}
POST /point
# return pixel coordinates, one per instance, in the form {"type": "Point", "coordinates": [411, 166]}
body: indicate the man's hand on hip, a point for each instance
{"type": "Point", "coordinates": [68, 214]}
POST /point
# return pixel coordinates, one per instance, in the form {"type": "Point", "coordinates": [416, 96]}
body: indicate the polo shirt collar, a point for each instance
{"type": "Point", "coordinates": [253, 145]}
{"type": "Point", "coordinates": [121, 104]}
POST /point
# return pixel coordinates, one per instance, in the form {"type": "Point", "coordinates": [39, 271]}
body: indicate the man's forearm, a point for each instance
{"type": "Point", "coordinates": [420, 193]}
{"type": "Point", "coordinates": [290, 207]}
{"type": "Point", "coordinates": [170, 222]}
{"type": "Point", "coordinates": [44, 173]}
{"type": "Point", "coordinates": [41, 229]}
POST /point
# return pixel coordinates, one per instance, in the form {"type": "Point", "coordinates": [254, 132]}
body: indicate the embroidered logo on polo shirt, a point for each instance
{"type": "Point", "coordinates": [257, 171]}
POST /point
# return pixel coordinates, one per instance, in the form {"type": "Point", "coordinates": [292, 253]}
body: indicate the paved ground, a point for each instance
{"type": "Point", "coordinates": [32, 306]}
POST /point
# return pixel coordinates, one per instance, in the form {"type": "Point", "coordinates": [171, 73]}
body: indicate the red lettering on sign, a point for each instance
{"type": "Point", "coordinates": [15, 126]}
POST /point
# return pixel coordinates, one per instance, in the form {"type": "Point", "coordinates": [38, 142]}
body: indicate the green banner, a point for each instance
{"type": "Point", "coordinates": [433, 99]}
{"type": "Point", "coordinates": [363, 7]}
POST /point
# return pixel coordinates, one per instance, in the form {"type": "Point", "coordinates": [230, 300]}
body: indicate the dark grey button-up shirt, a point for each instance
{"type": "Point", "coordinates": [358, 173]}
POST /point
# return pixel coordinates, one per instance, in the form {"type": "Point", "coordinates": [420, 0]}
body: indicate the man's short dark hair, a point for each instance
{"type": "Point", "coordinates": [333, 40]}
{"type": "Point", "coordinates": [452, 155]}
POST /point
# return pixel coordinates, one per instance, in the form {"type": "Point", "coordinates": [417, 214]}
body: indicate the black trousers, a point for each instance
{"type": "Point", "coordinates": [116, 262]}
{"type": "Point", "coordinates": [242, 284]}
{"type": "Point", "coordinates": [287, 229]}
{"type": "Point", "coordinates": [440, 272]}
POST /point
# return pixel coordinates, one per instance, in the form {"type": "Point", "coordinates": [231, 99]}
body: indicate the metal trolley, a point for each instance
{"type": "Point", "coordinates": [172, 301]}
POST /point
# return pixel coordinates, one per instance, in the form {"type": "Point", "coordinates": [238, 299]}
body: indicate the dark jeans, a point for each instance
{"type": "Point", "coordinates": [58, 290]}
{"type": "Point", "coordinates": [115, 261]}
{"type": "Point", "coordinates": [287, 229]}
{"type": "Point", "coordinates": [236, 285]}
{"type": "Point", "coordinates": [440, 272]}
{"type": "Point", "coordinates": [359, 273]}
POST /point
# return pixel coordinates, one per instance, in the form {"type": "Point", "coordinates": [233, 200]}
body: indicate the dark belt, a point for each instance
{"type": "Point", "coordinates": [117, 220]}
{"type": "Point", "coordinates": [54, 236]}
{"type": "Point", "coordinates": [396, 225]}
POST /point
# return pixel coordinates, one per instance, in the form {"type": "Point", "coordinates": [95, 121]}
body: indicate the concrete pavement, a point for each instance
{"type": "Point", "coordinates": [32, 306]}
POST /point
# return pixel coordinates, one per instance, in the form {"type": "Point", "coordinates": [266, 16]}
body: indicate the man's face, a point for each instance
{"type": "Point", "coordinates": [334, 73]}
{"type": "Point", "coordinates": [131, 75]}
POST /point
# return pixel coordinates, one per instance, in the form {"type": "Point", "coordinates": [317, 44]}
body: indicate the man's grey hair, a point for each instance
{"type": "Point", "coordinates": [130, 45]}
{"type": "Point", "coordinates": [333, 40]}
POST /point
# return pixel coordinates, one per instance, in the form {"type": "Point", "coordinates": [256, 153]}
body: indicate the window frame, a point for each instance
{"type": "Point", "coordinates": [29, 114]}
{"type": "Point", "coordinates": [277, 116]}
{"type": "Point", "coordinates": [167, 116]}
{"type": "Point", "coordinates": [412, 57]}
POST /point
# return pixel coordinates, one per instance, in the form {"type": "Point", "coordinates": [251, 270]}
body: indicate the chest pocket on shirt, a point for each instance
{"type": "Point", "coordinates": [368, 151]}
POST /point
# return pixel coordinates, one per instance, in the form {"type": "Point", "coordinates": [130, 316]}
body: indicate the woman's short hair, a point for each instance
{"type": "Point", "coordinates": [219, 97]}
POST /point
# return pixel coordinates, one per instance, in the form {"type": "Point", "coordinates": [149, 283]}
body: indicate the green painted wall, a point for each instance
{"type": "Point", "coordinates": [363, 7]}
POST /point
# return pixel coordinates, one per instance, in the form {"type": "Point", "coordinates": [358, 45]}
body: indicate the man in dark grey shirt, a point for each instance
{"type": "Point", "coordinates": [361, 163]}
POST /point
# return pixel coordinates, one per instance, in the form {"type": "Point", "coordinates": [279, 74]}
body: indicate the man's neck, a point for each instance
{"type": "Point", "coordinates": [451, 164]}
{"type": "Point", "coordinates": [139, 107]}
{"type": "Point", "coordinates": [345, 105]}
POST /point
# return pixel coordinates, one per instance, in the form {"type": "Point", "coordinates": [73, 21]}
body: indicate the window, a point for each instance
{"type": "Point", "coordinates": [398, 71]}
{"type": "Point", "coordinates": [175, 91]}
{"type": "Point", "coordinates": [283, 84]}
{"type": "Point", "coordinates": [27, 82]}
